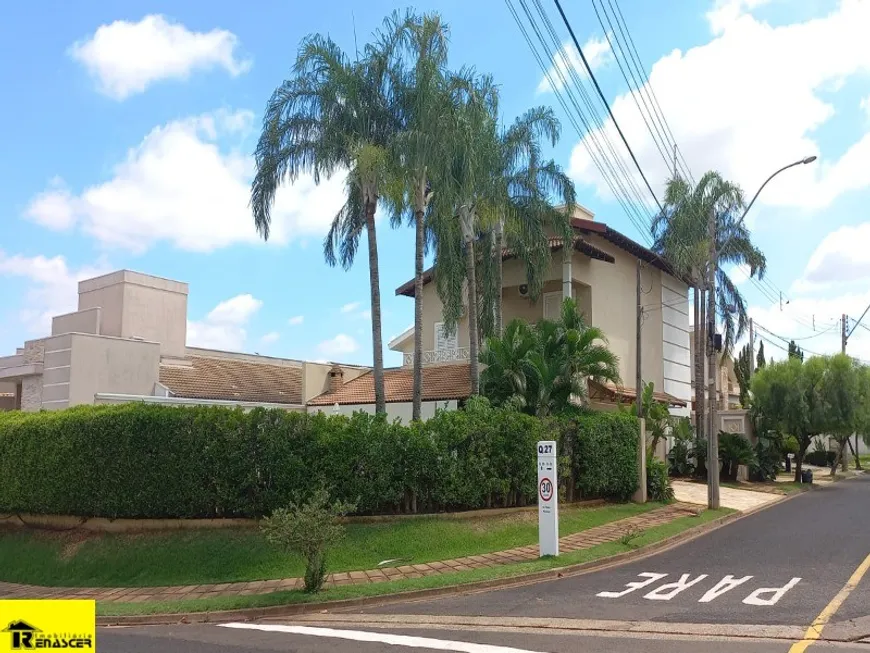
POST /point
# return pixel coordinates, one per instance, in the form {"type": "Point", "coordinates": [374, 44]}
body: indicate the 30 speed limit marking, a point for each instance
{"type": "Point", "coordinates": [546, 489]}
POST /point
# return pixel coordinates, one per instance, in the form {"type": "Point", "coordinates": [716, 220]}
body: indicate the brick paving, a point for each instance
{"type": "Point", "coordinates": [587, 539]}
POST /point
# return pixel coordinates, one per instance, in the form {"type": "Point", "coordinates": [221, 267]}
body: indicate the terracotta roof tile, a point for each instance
{"type": "Point", "coordinates": [611, 392]}
{"type": "Point", "coordinates": [233, 380]}
{"type": "Point", "coordinates": [440, 383]}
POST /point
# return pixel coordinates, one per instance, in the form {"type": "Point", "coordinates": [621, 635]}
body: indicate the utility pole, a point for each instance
{"type": "Point", "coordinates": [843, 336]}
{"type": "Point", "coordinates": [751, 348]}
{"type": "Point", "coordinates": [780, 301]}
{"type": "Point", "coordinates": [638, 381]}
{"type": "Point", "coordinates": [713, 433]}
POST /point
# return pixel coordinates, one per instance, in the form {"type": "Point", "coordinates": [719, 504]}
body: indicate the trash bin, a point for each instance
{"type": "Point", "coordinates": [806, 476]}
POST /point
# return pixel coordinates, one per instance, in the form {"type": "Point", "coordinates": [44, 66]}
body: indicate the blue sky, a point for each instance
{"type": "Point", "coordinates": [130, 128]}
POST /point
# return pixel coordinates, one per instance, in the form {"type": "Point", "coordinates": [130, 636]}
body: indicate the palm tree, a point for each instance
{"type": "Point", "coordinates": [681, 236]}
{"type": "Point", "coordinates": [544, 369]}
{"type": "Point", "coordinates": [471, 152]}
{"type": "Point", "coordinates": [334, 116]}
{"type": "Point", "coordinates": [423, 100]}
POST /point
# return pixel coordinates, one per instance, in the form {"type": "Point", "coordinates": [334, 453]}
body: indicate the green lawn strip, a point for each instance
{"type": "Point", "coordinates": [649, 536]}
{"type": "Point", "coordinates": [772, 488]}
{"type": "Point", "coordinates": [198, 557]}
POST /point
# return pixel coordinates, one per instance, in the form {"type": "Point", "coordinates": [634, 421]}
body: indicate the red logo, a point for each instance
{"type": "Point", "coordinates": [546, 489]}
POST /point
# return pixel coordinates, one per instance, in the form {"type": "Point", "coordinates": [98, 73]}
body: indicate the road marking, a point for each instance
{"type": "Point", "coordinates": [776, 593]}
{"type": "Point", "coordinates": [814, 632]}
{"type": "Point", "coordinates": [384, 638]}
{"type": "Point", "coordinates": [632, 586]}
{"type": "Point", "coordinates": [669, 590]}
{"type": "Point", "coordinates": [725, 585]}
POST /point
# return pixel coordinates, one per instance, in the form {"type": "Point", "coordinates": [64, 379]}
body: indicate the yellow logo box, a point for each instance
{"type": "Point", "coordinates": [47, 624]}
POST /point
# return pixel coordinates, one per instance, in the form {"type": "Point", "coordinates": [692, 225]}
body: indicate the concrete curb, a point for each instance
{"type": "Point", "coordinates": [254, 614]}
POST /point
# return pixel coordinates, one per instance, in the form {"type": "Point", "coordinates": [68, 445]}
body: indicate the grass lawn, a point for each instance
{"type": "Point", "coordinates": [773, 488]}
{"type": "Point", "coordinates": [377, 589]}
{"type": "Point", "coordinates": [80, 559]}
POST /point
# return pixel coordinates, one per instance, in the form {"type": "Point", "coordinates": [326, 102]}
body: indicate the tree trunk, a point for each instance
{"type": "Point", "coordinates": [499, 276]}
{"type": "Point", "coordinates": [375, 287]}
{"type": "Point", "coordinates": [799, 459]}
{"type": "Point", "coordinates": [838, 459]}
{"type": "Point", "coordinates": [471, 277]}
{"type": "Point", "coordinates": [857, 455]}
{"type": "Point", "coordinates": [418, 311]}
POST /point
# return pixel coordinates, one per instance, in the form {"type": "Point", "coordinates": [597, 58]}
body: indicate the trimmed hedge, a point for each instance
{"type": "Point", "coordinates": [146, 461]}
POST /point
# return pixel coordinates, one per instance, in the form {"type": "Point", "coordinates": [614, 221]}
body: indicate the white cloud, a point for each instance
{"type": "Point", "coordinates": [126, 58]}
{"type": "Point", "coordinates": [53, 207]}
{"type": "Point", "coordinates": [52, 287]}
{"type": "Point", "coordinates": [726, 12]}
{"type": "Point", "coordinates": [597, 52]}
{"type": "Point", "coordinates": [237, 310]}
{"type": "Point", "coordinates": [296, 320]}
{"type": "Point", "coordinates": [739, 274]}
{"type": "Point", "coordinates": [224, 326]}
{"type": "Point", "coordinates": [842, 257]}
{"type": "Point", "coordinates": [270, 338]}
{"type": "Point", "coordinates": [178, 185]}
{"type": "Point", "coordinates": [338, 346]}
{"type": "Point", "coordinates": [865, 104]}
{"type": "Point", "coordinates": [350, 307]}
{"type": "Point", "coordinates": [759, 111]}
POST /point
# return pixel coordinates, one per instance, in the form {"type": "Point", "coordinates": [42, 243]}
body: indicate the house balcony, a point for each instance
{"type": "Point", "coordinates": [438, 357]}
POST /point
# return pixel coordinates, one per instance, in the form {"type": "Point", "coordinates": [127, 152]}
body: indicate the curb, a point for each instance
{"type": "Point", "coordinates": [254, 614]}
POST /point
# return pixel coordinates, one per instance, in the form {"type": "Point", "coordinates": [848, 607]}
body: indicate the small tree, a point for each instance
{"type": "Point", "coordinates": [759, 361]}
{"type": "Point", "coordinates": [795, 352]}
{"type": "Point", "coordinates": [308, 529]}
{"type": "Point", "coordinates": [742, 372]}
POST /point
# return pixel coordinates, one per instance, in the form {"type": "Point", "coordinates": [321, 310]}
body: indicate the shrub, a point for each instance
{"type": "Point", "coordinates": [790, 445]}
{"type": "Point", "coordinates": [680, 457]}
{"type": "Point", "coordinates": [308, 529]}
{"type": "Point", "coordinates": [734, 450]}
{"type": "Point", "coordinates": [820, 458]}
{"type": "Point", "coordinates": [144, 461]}
{"type": "Point", "coordinates": [603, 450]}
{"type": "Point", "coordinates": [658, 485]}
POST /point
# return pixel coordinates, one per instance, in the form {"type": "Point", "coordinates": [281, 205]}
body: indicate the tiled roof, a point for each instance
{"type": "Point", "coordinates": [609, 392]}
{"type": "Point", "coordinates": [234, 380]}
{"type": "Point", "coordinates": [580, 244]}
{"type": "Point", "coordinates": [440, 383]}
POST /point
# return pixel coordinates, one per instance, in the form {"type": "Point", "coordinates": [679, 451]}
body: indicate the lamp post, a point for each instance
{"type": "Point", "coordinates": [713, 437]}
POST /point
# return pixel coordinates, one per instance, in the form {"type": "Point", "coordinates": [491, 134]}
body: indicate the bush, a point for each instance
{"type": "Point", "coordinates": [603, 453]}
{"type": "Point", "coordinates": [790, 445]}
{"type": "Point", "coordinates": [734, 450]}
{"type": "Point", "coordinates": [144, 461]}
{"type": "Point", "coordinates": [658, 485]}
{"type": "Point", "coordinates": [308, 529]}
{"type": "Point", "coordinates": [680, 457]}
{"type": "Point", "coordinates": [820, 458]}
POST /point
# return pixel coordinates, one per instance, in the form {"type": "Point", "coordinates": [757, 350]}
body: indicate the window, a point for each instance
{"type": "Point", "coordinates": [443, 341]}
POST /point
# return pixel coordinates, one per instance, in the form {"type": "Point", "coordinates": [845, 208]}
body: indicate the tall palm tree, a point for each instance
{"type": "Point", "coordinates": [423, 100]}
{"type": "Point", "coordinates": [522, 208]}
{"type": "Point", "coordinates": [681, 236]}
{"type": "Point", "coordinates": [335, 115]}
{"type": "Point", "coordinates": [471, 153]}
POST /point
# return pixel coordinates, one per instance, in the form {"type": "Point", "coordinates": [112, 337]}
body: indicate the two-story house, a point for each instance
{"type": "Point", "coordinates": [601, 275]}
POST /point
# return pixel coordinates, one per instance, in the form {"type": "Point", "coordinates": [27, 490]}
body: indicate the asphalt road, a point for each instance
{"type": "Point", "coordinates": [819, 537]}
{"type": "Point", "coordinates": [732, 589]}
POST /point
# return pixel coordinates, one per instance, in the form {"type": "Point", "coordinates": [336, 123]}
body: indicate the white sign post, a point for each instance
{"type": "Point", "coordinates": [548, 499]}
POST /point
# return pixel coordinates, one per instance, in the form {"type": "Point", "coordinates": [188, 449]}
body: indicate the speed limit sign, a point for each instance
{"type": "Point", "coordinates": [548, 499]}
{"type": "Point", "coordinates": [546, 489]}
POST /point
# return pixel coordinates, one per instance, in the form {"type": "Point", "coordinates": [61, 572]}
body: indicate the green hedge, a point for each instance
{"type": "Point", "coordinates": [139, 460]}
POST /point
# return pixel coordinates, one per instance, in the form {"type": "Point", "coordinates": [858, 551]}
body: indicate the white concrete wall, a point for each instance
{"type": "Point", "coordinates": [400, 410]}
{"type": "Point", "coordinates": [676, 340]}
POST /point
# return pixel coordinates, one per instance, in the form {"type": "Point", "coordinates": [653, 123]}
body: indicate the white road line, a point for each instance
{"type": "Point", "coordinates": [384, 638]}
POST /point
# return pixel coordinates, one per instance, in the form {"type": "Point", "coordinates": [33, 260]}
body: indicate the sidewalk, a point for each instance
{"type": "Point", "coordinates": [587, 539]}
{"type": "Point", "coordinates": [742, 500]}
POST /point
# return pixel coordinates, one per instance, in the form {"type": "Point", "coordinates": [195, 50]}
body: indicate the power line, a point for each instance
{"type": "Point", "coordinates": [604, 100]}
{"type": "Point", "coordinates": [649, 87]}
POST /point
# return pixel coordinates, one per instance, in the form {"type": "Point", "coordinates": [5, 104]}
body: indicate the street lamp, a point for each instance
{"type": "Point", "coordinates": [713, 439]}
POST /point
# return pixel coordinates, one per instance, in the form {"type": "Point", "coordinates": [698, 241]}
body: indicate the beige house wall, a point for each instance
{"type": "Point", "coordinates": [105, 364]}
{"type": "Point", "coordinates": [401, 410]}
{"type": "Point", "coordinates": [86, 321]}
{"type": "Point", "coordinates": [135, 305]}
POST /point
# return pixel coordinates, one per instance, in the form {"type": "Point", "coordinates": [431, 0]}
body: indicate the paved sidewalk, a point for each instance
{"type": "Point", "coordinates": [741, 500]}
{"type": "Point", "coordinates": [583, 540]}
